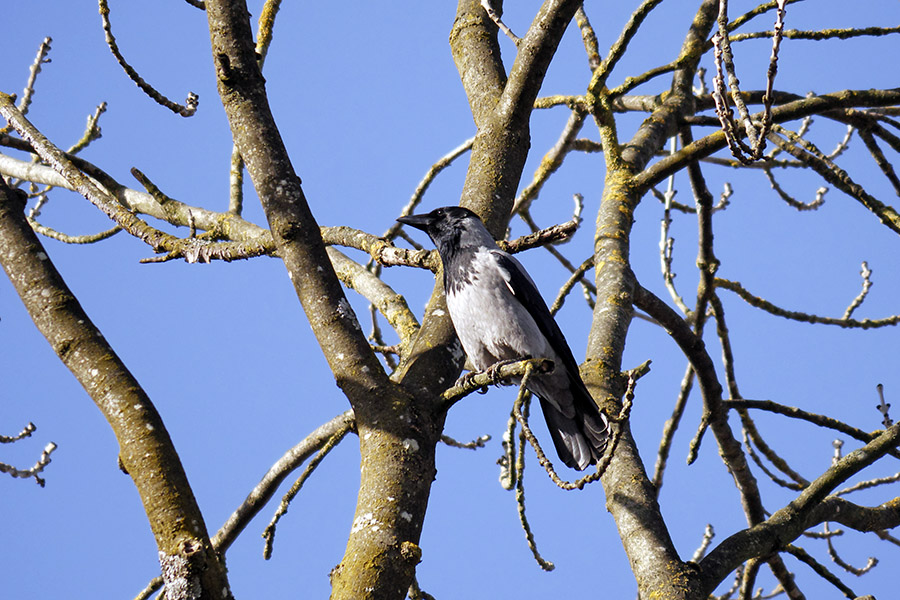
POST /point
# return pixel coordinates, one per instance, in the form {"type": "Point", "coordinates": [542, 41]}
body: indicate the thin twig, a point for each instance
{"type": "Point", "coordinates": [708, 535]}
{"type": "Point", "coordinates": [192, 101]}
{"type": "Point", "coordinates": [498, 21]}
{"type": "Point", "coordinates": [725, 66]}
{"type": "Point", "coordinates": [523, 401]}
{"type": "Point", "coordinates": [820, 569]}
{"type": "Point", "coordinates": [835, 557]}
{"type": "Point", "coordinates": [797, 413]}
{"type": "Point", "coordinates": [478, 442]}
{"type": "Point", "coordinates": [39, 61]}
{"type": "Point", "coordinates": [767, 306]}
{"type": "Point", "coordinates": [866, 286]}
{"type": "Point", "coordinates": [883, 407]}
{"type": "Point", "coordinates": [269, 532]}
{"type": "Point", "coordinates": [34, 471]}
{"type": "Point", "coordinates": [589, 37]}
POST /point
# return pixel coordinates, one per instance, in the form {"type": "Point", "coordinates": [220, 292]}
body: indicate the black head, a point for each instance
{"type": "Point", "coordinates": [451, 228]}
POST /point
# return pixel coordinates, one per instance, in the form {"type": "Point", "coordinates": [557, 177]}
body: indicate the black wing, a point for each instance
{"type": "Point", "coordinates": [580, 439]}
{"type": "Point", "coordinates": [526, 292]}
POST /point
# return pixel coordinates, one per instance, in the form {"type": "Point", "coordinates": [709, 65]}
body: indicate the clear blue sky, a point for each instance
{"type": "Point", "coordinates": [367, 98]}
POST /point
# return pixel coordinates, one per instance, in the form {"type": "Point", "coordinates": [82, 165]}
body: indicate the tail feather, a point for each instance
{"type": "Point", "coordinates": [579, 441]}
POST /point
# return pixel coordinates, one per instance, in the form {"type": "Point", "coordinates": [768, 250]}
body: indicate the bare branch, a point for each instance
{"type": "Point", "coordinates": [34, 471]}
{"type": "Point", "coordinates": [767, 306]}
{"type": "Point", "coordinates": [866, 286]}
{"type": "Point", "coordinates": [146, 451]}
{"type": "Point", "coordinates": [820, 569]}
{"type": "Point", "coordinates": [498, 21]}
{"type": "Point", "coordinates": [796, 413]}
{"type": "Point", "coordinates": [589, 37]}
{"type": "Point", "coordinates": [883, 407]}
{"type": "Point", "coordinates": [419, 193]}
{"type": "Point", "coordinates": [708, 535]}
{"type": "Point", "coordinates": [809, 508]}
{"type": "Point", "coordinates": [190, 105]}
{"type": "Point", "coordinates": [821, 34]}
{"type": "Point", "coordinates": [478, 442]}
{"type": "Point", "coordinates": [598, 80]}
{"type": "Point", "coordinates": [39, 61]}
{"type": "Point", "coordinates": [328, 446]}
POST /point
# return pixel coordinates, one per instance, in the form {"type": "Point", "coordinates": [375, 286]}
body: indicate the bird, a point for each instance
{"type": "Point", "coordinates": [499, 316]}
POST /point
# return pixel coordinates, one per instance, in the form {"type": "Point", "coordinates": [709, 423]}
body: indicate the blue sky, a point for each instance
{"type": "Point", "coordinates": [367, 98]}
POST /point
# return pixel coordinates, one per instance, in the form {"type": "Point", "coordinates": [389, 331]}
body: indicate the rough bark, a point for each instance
{"type": "Point", "coordinates": [397, 439]}
{"type": "Point", "coordinates": [191, 568]}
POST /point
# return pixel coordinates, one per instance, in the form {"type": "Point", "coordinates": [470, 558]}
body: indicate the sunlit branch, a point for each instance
{"type": "Point", "coordinates": [72, 239]}
{"type": "Point", "coordinates": [146, 450]}
{"type": "Point", "coordinates": [759, 463]}
{"type": "Point", "coordinates": [866, 286]}
{"type": "Point", "coordinates": [670, 427]}
{"type": "Point", "coordinates": [708, 535]}
{"type": "Point", "coordinates": [883, 407]}
{"type": "Point", "coordinates": [260, 495]}
{"type": "Point", "coordinates": [871, 562]}
{"type": "Point", "coordinates": [39, 466]}
{"type": "Point", "coordinates": [475, 444]}
{"type": "Point", "coordinates": [879, 158]}
{"type": "Point", "coordinates": [753, 434]}
{"type": "Point", "coordinates": [521, 410]}
{"type": "Point", "coordinates": [388, 302]}
{"type": "Point", "coordinates": [91, 131]}
{"type": "Point", "coordinates": [818, 201]}
{"type": "Point", "coordinates": [820, 34]}
{"type": "Point", "coordinates": [577, 277]}
{"type": "Point", "coordinates": [498, 21]}
{"type": "Point", "coordinates": [820, 569]}
{"type": "Point", "coordinates": [796, 108]}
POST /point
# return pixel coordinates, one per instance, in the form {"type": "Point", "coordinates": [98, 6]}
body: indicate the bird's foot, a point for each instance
{"type": "Point", "coordinates": [493, 371]}
{"type": "Point", "coordinates": [466, 381]}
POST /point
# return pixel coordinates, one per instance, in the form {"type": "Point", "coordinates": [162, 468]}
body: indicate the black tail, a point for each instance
{"type": "Point", "coordinates": [581, 440]}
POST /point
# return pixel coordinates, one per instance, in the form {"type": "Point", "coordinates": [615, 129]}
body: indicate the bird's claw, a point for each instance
{"type": "Point", "coordinates": [466, 381]}
{"type": "Point", "coordinates": [493, 371]}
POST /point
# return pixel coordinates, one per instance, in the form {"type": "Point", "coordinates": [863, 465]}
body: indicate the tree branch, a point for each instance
{"type": "Point", "coordinates": [146, 451]}
{"type": "Point", "coordinates": [808, 509]}
{"type": "Point", "coordinates": [397, 440]}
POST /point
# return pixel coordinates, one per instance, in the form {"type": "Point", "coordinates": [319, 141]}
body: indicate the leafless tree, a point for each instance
{"type": "Point", "coordinates": [399, 394]}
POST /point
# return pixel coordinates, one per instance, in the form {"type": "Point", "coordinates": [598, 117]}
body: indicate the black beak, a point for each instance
{"type": "Point", "coordinates": [418, 221]}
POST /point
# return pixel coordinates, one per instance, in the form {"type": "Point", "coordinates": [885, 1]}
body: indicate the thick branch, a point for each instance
{"type": "Point", "coordinates": [397, 441]}
{"type": "Point", "coordinates": [146, 451]}
{"type": "Point", "coordinates": [631, 497]}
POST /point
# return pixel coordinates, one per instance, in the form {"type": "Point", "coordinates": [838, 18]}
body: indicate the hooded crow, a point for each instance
{"type": "Point", "coordinates": [499, 315]}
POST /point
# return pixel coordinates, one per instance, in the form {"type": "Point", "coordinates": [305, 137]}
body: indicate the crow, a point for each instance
{"type": "Point", "coordinates": [499, 316]}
